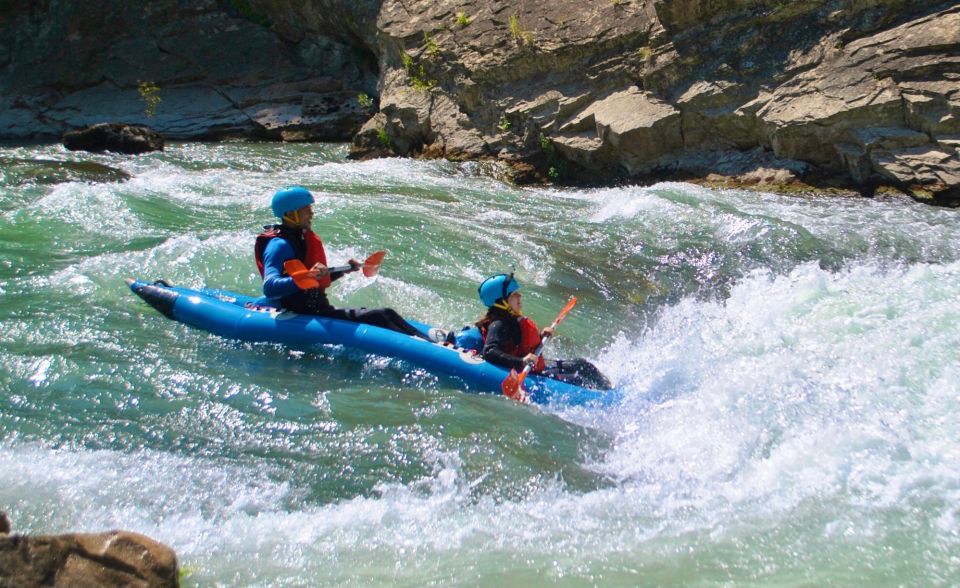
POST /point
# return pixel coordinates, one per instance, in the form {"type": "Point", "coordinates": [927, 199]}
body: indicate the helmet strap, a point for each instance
{"type": "Point", "coordinates": [502, 304]}
{"type": "Point", "coordinates": [293, 217]}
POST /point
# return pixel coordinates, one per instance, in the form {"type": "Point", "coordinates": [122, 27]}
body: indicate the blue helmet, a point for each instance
{"type": "Point", "coordinates": [290, 198]}
{"type": "Point", "coordinates": [496, 288]}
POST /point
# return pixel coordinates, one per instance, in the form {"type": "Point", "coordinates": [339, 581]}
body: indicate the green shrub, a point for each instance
{"type": "Point", "coordinates": [417, 73]}
{"type": "Point", "coordinates": [462, 19]}
{"type": "Point", "coordinates": [545, 144]}
{"type": "Point", "coordinates": [431, 47]}
{"type": "Point", "coordinates": [557, 165]}
{"type": "Point", "coordinates": [150, 94]}
{"type": "Point", "coordinates": [419, 80]}
{"type": "Point", "coordinates": [518, 33]}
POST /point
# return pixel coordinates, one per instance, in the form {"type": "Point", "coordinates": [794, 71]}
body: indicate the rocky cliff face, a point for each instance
{"type": "Point", "coordinates": [863, 91]}
{"type": "Point", "coordinates": [221, 69]}
{"type": "Point", "coordinates": [762, 90]}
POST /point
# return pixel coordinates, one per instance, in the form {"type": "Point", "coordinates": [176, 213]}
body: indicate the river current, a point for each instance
{"type": "Point", "coordinates": [790, 369]}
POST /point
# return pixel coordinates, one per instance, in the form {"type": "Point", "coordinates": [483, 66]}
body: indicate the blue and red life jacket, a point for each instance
{"type": "Point", "coordinates": [313, 254]}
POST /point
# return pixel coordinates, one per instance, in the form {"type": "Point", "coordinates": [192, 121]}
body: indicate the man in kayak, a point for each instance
{"type": "Point", "coordinates": [295, 239]}
{"type": "Point", "coordinates": [509, 338]}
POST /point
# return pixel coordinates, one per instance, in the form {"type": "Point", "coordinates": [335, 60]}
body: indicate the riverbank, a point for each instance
{"type": "Point", "coordinates": [858, 96]}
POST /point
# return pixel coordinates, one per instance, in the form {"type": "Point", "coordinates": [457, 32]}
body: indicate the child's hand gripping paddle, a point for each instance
{"type": "Point", "coordinates": [300, 274]}
{"type": "Point", "coordinates": [512, 386]}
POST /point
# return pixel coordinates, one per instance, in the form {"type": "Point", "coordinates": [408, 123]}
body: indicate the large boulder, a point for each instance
{"type": "Point", "coordinates": [115, 137]}
{"type": "Point", "coordinates": [631, 129]}
{"type": "Point", "coordinates": [19, 171]}
{"type": "Point", "coordinates": [878, 108]}
{"type": "Point", "coordinates": [96, 560]}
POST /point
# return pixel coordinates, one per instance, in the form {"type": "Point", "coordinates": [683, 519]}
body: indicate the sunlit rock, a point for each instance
{"type": "Point", "coordinates": [111, 559]}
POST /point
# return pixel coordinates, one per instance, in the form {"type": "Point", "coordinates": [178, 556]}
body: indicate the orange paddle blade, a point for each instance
{"type": "Point", "coordinates": [512, 386]}
{"type": "Point", "coordinates": [372, 265]}
{"type": "Point", "coordinates": [563, 312]}
{"type": "Point", "coordinates": [296, 270]}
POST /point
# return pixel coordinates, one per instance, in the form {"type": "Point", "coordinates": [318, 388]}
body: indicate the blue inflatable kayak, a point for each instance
{"type": "Point", "coordinates": [236, 316]}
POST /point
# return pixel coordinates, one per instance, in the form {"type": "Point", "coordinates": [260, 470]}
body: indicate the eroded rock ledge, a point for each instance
{"type": "Point", "coordinates": [855, 94]}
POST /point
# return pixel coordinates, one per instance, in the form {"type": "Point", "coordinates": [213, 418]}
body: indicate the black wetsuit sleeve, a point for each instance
{"type": "Point", "coordinates": [499, 334]}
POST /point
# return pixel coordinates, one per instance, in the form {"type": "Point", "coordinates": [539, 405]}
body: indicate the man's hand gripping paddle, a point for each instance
{"type": "Point", "coordinates": [512, 386]}
{"type": "Point", "coordinates": [300, 273]}
{"type": "Point", "coordinates": [370, 267]}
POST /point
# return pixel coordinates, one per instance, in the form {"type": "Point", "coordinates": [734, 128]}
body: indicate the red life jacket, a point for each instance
{"type": "Point", "coordinates": [529, 341]}
{"type": "Point", "coordinates": [315, 252]}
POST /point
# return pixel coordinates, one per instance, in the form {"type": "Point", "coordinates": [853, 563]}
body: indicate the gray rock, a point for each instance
{"type": "Point", "coordinates": [116, 137]}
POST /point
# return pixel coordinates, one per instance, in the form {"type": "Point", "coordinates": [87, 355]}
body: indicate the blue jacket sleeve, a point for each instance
{"type": "Point", "coordinates": [275, 284]}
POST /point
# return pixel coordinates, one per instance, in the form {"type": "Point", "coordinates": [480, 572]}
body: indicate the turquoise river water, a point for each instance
{"type": "Point", "coordinates": [790, 367]}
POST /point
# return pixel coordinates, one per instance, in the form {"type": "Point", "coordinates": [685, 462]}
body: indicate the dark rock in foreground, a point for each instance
{"type": "Point", "coordinates": [78, 560]}
{"type": "Point", "coordinates": [116, 137]}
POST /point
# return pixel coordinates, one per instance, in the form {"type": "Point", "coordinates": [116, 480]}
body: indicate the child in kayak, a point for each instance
{"type": "Point", "coordinates": [509, 338]}
{"type": "Point", "coordinates": [295, 239]}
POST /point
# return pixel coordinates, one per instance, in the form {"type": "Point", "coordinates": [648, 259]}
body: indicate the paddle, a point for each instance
{"type": "Point", "coordinates": [512, 385]}
{"type": "Point", "coordinates": [370, 267]}
{"type": "Point", "coordinates": [299, 272]}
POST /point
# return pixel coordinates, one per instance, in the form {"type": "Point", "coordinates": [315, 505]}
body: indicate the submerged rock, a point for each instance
{"type": "Point", "coordinates": [48, 171]}
{"type": "Point", "coordinates": [116, 137]}
{"type": "Point", "coordinates": [104, 560]}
